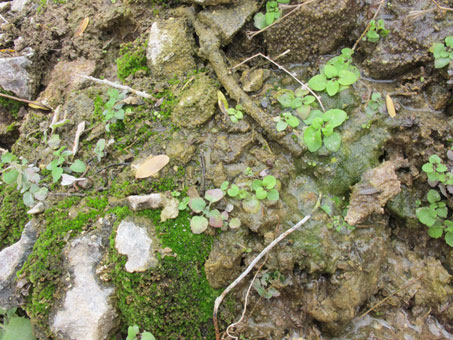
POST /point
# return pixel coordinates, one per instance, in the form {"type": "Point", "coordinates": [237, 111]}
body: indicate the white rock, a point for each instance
{"type": "Point", "coordinates": [87, 313]}
{"type": "Point", "coordinates": [133, 241]}
{"type": "Point", "coordinates": [14, 76]}
{"type": "Point", "coordinates": [37, 209]}
{"type": "Point", "coordinates": [18, 5]}
{"type": "Point", "coordinates": [151, 201]}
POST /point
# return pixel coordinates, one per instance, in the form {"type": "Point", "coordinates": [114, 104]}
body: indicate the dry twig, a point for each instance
{"type": "Point", "coordinates": [304, 86]}
{"type": "Point", "coordinates": [369, 25]}
{"type": "Point", "coordinates": [251, 34]}
{"type": "Point", "coordinates": [31, 103]}
{"type": "Point", "coordinates": [442, 7]}
{"type": "Point", "coordinates": [266, 250]}
{"type": "Point", "coordinates": [118, 86]}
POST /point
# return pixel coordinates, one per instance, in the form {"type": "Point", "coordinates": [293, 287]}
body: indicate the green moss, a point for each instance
{"type": "Point", "coordinates": [43, 267]}
{"type": "Point", "coordinates": [132, 59]}
{"type": "Point", "coordinates": [175, 300]}
{"type": "Point", "coordinates": [13, 215]}
{"type": "Point", "coordinates": [11, 106]}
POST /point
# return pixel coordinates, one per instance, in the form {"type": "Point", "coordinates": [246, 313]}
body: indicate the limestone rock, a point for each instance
{"type": "Point", "coordinates": [253, 80]}
{"type": "Point", "coordinates": [18, 5]}
{"type": "Point", "coordinates": [170, 49]}
{"type": "Point", "coordinates": [133, 240]}
{"type": "Point", "coordinates": [316, 28]}
{"type": "Point", "coordinates": [87, 312]}
{"type": "Point", "coordinates": [197, 103]}
{"type": "Point", "coordinates": [12, 258]}
{"type": "Point", "coordinates": [377, 186]}
{"type": "Point", "coordinates": [228, 21]}
{"type": "Point", "coordinates": [64, 80]}
{"type": "Point", "coordinates": [14, 76]}
{"type": "Point", "coordinates": [141, 202]}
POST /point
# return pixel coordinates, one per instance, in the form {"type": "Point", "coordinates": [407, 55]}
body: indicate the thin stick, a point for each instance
{"type": "Point", "coordinates": [118, 86]}
{"type": "Point", "coordinates": [266, 250]}
{"type": "Point", "coordinates": [286, 71]}
{"type": "Point", "coordinates": [250, 35]}
{"type": "Point", "coordinates": [66, 194]}
{"type": "Point", "coordinates": [388, 297]}
{"type": "Point", "coordinates": [3, 18]}
{"type": "Point", "coordinates": [368, 26]}
{"type": "Point", "coordinates": [442, 7]}
{"type": "Point", "coordinates": [44, 107]}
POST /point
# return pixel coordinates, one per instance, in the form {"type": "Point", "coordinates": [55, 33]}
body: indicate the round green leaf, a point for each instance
{"type": "Point", "coordinates": [292, 121]}
{"type": "Point", "coordinates": [435, 232]}
{"type": "Point", "coordinates": [213, 195]}
{"type": "Point", "coordinates": [286, 98]}
{"type": "Point", "coordinates": [313, 115]}
{"type": "Point", "coordinates": [434, 159]}
{"type": "Point", "coordinates": [233, 191]}
{"type": "Point", "coordinates": [433, 196]}
{"type": "Point", "coordinates": [28, 199]}
{"type": "Point", "coordinates": [335, 117]}
{"type": "Point", "coordinates": [441, 62]}
{"type": "Point", "coordinates": [332, 87]}
{"type": "Point", "coordinates": [269, 18]}
{"type": "Point", "coordinates": [441, 168]}
{"type": "Point", "coordinates": [197, 204]}
{"type": "Point", "coordinates": [318, 82]}
{"type": "Point", "coordinates": [41, 194]}
{"type": "Point", "coordinates": [269, 182]}
{"type": "Point", "coordinates": [372, 36]}
{"type": "Point", "coordinates": [304, 111]}
{"type": "Point", "coordinates": [449, 238]}
{"type": "Point", "coordinates": [307, 100]}
{"type": "Point", "coordinates": [330, 71]}
{"type": "Point", "coordinates": [261, 194]}
{"type": "Point", "coordinates": [198, 224]}
{"type": "Point", "coordinates": [147, 336]}
{"type": "Point", "coordinates": [132, 331]}
{"type": "Point", "coordinates": [273, 195]}
{"type": "Point", "coordinates": [235, 223]}
{"type": "Point", "coordinates": [424, 216]}
{"type": "Point", "coordinates": [281, 125]}
{"type": "Point", "coordinates": [18, 328]}
{"type": "Point", "coordinates": [256, 184]}
{"type": "Point", "coordinates": [333, 142]}
{"type": "Point", "coordinates": [259, 20]}
{"type": "Point", "coordinates": [56, 174]}
{"type": "Point", "coordinates": [346, 77]}
{"type": "Point", "coordinates": [427, 167]}
{"type": "Point", "coordinates": [215, 219]}
{"type": "Point", "coordinates": [233, 119]}
{"type": "Point", "coordinates": [449, 41]}
{"type": "Point", "coordinates": [224, 185]}
{"type": "Point", "coordinates": [313, 139]}
{"type": "Point", "coordinates": [78, 166]}
{"type": "Point", "coordinates": [10, 176]}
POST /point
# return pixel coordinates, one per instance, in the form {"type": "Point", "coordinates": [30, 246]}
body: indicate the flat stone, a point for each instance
{"type": "Point", "coordinates": [14, 76]}
{"type": "Point", "coordinates": [227, 21]}
{"type": "Point", "coordinates": [170, 49]}
{"type": "Point", "coordinates": [87, 312]}
{"type": "Point", "coordinates": [12, 259]}
{"type": "Point", "coordinates": [134, 241]}
{"type": "Point", "coordinates": [253, 80]}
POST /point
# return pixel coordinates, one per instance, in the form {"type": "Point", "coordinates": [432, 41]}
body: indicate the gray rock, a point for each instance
{"type": "Point", "coordinates": [170, 49]}
{"type": "Point", "coordinates": [132, 239]}
{"type": "Point", "coordinates": [228, 21]}
{"type": "Point", "coordinates": [18, 5]}
{"type": "Point", "coordinates": [253, 80]}
{"type": "Point", "coordinates": [12, 259]}
{"type": "Point", "coordinates": [197, 103]}
{"type": "Point", "coordinates": [14, 76]}
{"type": "Point", "coordinates": [86, 312]}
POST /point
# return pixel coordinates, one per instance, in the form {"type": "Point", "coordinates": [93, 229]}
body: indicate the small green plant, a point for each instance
{"type": "Point", "coordinates": [443, 52]}
{"type": "Point", "coordinates": [273, 13]}
{"type": "Point", "coordinates": [266, 285]}
{"type": "Point", "coordinates": [436, 171]}
{"type": "Point", "coordinates": [263, 189]}
{"type": "Point", "coordinates": [99, 149]}
{"type": "Point", "coordinates": [113, 108]}
{"type": "Point", "coordinates": [15, 327]}
{"type": "Point", "coordinates": [321, 127]}
{"type": "Point", "coordinates": [337, 75]}
{"type": "Point", "coordinates": [26, 176]}
{"type": "Point", "coordinates": [435, 216]}
{"type": "Point", "coordinates": [376, 31]}
{"type": "Point", "coordinates": [235, 114]}
{"type": "Point", "coordinates": [298, 100]}
{"type": "Point", "coordinates": [284, 120]}
{"type": "Point", "coordinates": [375, 103]}
{"type": "Point", "coordinates": [133, 331]}
{"type": "Point", "coordinates": [56, 165]}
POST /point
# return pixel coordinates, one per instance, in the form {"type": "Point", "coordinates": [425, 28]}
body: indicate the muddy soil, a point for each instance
{"type": "Point", "coordinates": [363, 267]}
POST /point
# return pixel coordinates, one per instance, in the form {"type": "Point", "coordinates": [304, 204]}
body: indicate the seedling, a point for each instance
{"type": "Point", "coordinates": [337, 75]}
{"type": "Point", "coordinates": [321, 129]}
{"type": "Point", "coordinates": [273, 13]}
{"type": "Point", "coordinates": [435, 170]}
{"type": "Point", "coordinates": [263, 189]}
{"type": "Point", "coordinates": [286, 119]}
{"type": "Point", "coordinates": [114, 108]}
{"type": "Point", "coordinates": [443, 53]}
{"type": "Point", "coordinates": [264, 286]}
{"type": "Point", "coordinates": [56, 165]}
{"type": "Point", "coordinates": [376, 31]}
{"type": "Point", "coordinates": [99, 149]}
{"type": "Point", "coordinates": [133, 331]}
{"type": "Point", "coordinates": [374, 104]}
{"type": "Point", "coordinates": [26, 176]}
{"type": "Point", "coordinates": [235, 114]}
{"type": "Point", "coordinates": [298, 100]}
{"type": "Point", "coordinates": [15, 327]}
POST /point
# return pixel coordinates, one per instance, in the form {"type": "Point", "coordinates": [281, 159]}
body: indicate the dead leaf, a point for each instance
{"type": "Point", "coordinates": [151, 166]}
{"type": "Point", "coordinates": [390, 106]}
{"type": "Point", "coordinates": [82, 27]}
{"type": "Point", "coordinates": [80, 129]}
{"type": "Point", "coordinates": [39, 106]}
{"type": "Point", "coordinates": [222, 102]}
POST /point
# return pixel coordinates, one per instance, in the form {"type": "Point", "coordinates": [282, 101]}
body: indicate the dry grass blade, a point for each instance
{"type": "Point", "coordinates": [368, 26]}
{"type": "Point", "coordinates": [32, 104]}
{"type": "Point", "coordinates": [82, 27]}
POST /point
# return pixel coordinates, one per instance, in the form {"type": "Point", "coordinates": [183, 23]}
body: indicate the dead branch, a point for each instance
{"type": "Point", "coordinates": [304, 86]}
{"type": "Point", "coordinates": [369, 25]}
{"type": "Point", "coordinates": [251, 34]}
{"type": "Point", "coordinates": [118, 86]}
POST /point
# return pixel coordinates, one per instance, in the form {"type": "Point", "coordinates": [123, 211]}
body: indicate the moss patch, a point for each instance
{"type": "Point", "coordinates": [11, 106]}
{"type": "Point", "coordinates": [175, 300]}
{"type": "Point", "coordinates": [132, 59]}
{"type": "Point", "coordinates": [13, 216]}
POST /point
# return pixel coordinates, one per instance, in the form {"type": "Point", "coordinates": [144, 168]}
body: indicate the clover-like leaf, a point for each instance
{"type": "Point", "coordinates": [259, 20]}
{"type": "Point", "coordinates": [318, 82]}
{"type": "Point", "coordinates": [425, 216]}
{"type": "Point", "coordinates": [332, 87]}
{"type": "Point", "coordinates": [269, 182]}
{"type": "Point", "coordinates": [433, 196]}
{"type": "Point", "coordinates": [197, 204]}
{"type": "Point", "coordinates": [233, 191]}
{"type": "Point", "coordinates": [147, 336]}
{"type": "Point", "coordinates": [273, 195]}
{"type": "Point", "coordinates": [441, 62]}
{"type": "Point", "coordinates": [198, 224]}
{"type": "Point", "coordinates": [333, 142]}
{"type": "Point", "coordinates": [10, 176]}
{"type": "Point", "coordinates": [78, 166]}
{"type": "Point", "coordinates": [346, 77]}
{"type": "Point", "coordinates": [330, 71]}
{"type": "Point", "coordinates": [235, 223]}
{"type": "Point", "coordinates": [224, 185]}
{"type": "Point", "coordinates": [214, 195]}
{"type": "Point", "coordinates": [281, 125]}
{"type": "Point", "coordinates": [215, 219]}
{"type": "Point", "coordinates": [435, 231]}
{"type": "Point", "coordinates": [292, 121]}
{"type": "Point", "coordinates": [56, 174]}
{"type": "Point", "coordinates": [335, 117]}
{"type": "Point", "coordinates": [313, 139]}
{"type": "Point", "coordinates": [261, 194]}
